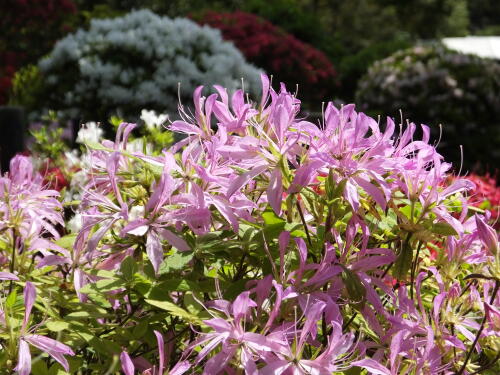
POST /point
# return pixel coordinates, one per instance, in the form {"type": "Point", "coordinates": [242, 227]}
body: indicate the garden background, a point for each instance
{"type": "Point", "coordinates": [324, 47]}
{"type": "Point", "coordinates": [247, 219]}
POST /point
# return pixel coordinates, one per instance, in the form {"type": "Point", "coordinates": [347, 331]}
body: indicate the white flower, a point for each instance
{"type": "Point", "coordinates": [136, 212]}
{"type": "Point", "coordinates": [152, 119]}
{"type": "Point", "coordinates": [89, 133]}
{"type": "Point", "coordinates": [72, 159]}
{"type": "Point", "coordinates": [75, 223]}
{"type": "Point", "coordinates": [137, 145]}
{"type": "Point", "coordinates": [173, 51]}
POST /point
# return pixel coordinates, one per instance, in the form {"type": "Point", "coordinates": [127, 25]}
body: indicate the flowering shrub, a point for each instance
{"type": "Point", "coordinates": [22, 42]}
{"type": "Point", "coordinates": [277, 52]}
{"type": "Point", "coordinates": [487, 195]}
{"type": "Point", "coordinates": [437, 86]}
{"type": "Point", "coordinates": [267, 246]}
{"type": "Point", "coordinates": [137, 61]}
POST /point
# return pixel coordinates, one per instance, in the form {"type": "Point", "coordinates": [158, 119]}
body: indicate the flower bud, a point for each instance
{"type": "Point", "coordinates": [487, 235]}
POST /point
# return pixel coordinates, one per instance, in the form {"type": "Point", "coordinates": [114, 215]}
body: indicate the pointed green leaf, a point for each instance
{"type": "Point", "coordinates": [175, 310]}
{"type": "Point", "coordinates": [444, 229]}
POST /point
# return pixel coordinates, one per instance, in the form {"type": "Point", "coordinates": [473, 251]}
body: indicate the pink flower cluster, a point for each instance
{"type": "Point", "coordinates": [329, 226]}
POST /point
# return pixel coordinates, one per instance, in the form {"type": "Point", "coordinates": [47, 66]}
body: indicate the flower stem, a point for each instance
{"type": "Point", "coordinates": [414, 269]}
{"type": "Point", "coordinates": [13, 258]}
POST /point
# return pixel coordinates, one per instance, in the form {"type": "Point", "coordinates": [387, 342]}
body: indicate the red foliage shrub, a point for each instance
{"type": "Point", "coordinates": [281, 54]}
{"type": "Point", "coordinates": [29, 30]}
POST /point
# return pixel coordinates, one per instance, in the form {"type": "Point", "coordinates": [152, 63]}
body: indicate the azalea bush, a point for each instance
{"type": "Point", "coordinates": [258, 244]}
{"type": "Point", "coordinates": [279, 53]}
{"type": "Point", "coordinates": [437, 86]}
{"type": "Point", "coordinates": [140, 60]}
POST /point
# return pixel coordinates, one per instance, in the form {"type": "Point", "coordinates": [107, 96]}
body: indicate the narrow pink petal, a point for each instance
{"type": "Point", "coordinates": [304, 176]}
{"type": "Point", "coordinates": [127, 365]}
{"type": "Point", "coordinates": [180, 368]}
{"type": "Point", "coordinates": [396, 341]}
{"type": "Point", "coordinates": [24, 359]}
{"type": "Point", "coordinates": [242, 304]}
{"type": "Point", "coordinates": [277, 367]}
{"type": "Point", "coordinates": [351, 195]}
{"type": "Point", "coordinates": [222, 113]}
{"type": "Point", "coordinates": [373, 366]}
{"type": "Point", "coordinates": [458, 185]}
{"type": "Point", "coordinates": [175, 240]}
{"type": "Point", "coordinates": [372, 191]}
{"type": "Point", "coordinates": [312, 314]}
{"type": "Point", "coordinates": [275, 191]}
{"type": "Point", "coordinates": [244, 178]}
{"type": "Point", "coordinates": [47, 344]}
{"type": "Point", "coordinates": [218, 324]}
{"type": "Point", "coordinates": [184, 127]}
{"type": "Point", "coordinates": [52, 347]}
{"type": "Point", "coordinates": [29, 301]}
{"type": "Point", "coordinates": [154, 249]}
{"type": "Point", "coordinates": [444, 215]}
{"type": "Point", "coordinates": [8, 276]}
{"type": "Point", "coordinates": [198, 101]}
{"type": "Point", "coordinates": [301, 245]}
{"type": "Point", "coordinates": [137, 227]}
{"type": "Point", "coordinates": [52, 260]}
{"type": "Point", "coordinates": [222, 93]}
{"type": "Point", "coordinates": [265, 89]}
{"type": "Point", "coordinates": [217, 363]}
{"type": "Point", "coordinates": [487, 235]}
{"type": "Point", "coordinates": [59, 357]}
{"type": "Point", "coordinates": [224, 208]}
{"type": "Point", "coordinates": [161, 350]}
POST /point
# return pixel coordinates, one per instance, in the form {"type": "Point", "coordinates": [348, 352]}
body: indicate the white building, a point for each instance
{"type": "Point", "coordinates": [483, 46]}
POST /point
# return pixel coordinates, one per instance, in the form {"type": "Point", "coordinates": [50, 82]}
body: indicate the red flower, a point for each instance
{"type": "Point", "coordinates": [55, 179]}
{"type": "Point", "coordinates": [290, 60]}
{"type": "Point", "coordinates": [486, 195]}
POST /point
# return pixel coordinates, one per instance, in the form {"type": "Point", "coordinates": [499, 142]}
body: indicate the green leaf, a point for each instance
{"type": "Point", "coordinates": [142, 284]}
{"type": "Point", "coordinates": [97, 146]}
{"type": "Point", "coordinates": [406, 210]}
{"type": "Point", "coordinates": [78, 315]}
{"type": "Point", "coordinates": [57, 325]}
{"type": "Point", "coordinates": [193, 306]}
{"type": "Point", "coordinates": [104, 346]}
{"type": "Point", "coordinates": [115, 121]}
{"type": "Point", "coordinates": [11, 299]}
{"type": "Point", "coordinates": [298, 233]}
{"type": "Point", "coordinates": [160, 290]}
{"type": "Point", "coordinates": [270, 218]}
{"type": "Point", "coordinates": [175, 262]}
{"type": "Point", "coordinates": [175, 310]}
{"type": "Point", "coordinates": [102, 286]}
{"type": "Point", "coordinates": [403, 262]}
{"type": "Point", "coordinates": [235, 288]}
{"type": "Point", "coordinates": [66, 241]}
{"type": "Point", "coordinates": [444, 229]}
{"type": "Point", "coordinates": [39, 368]}
{"type": "Point", "coordinates": [128, 268]}
{"type": "Point", "coordinates": [140, 329]}
{"type": "Point", "coordinates": [330, 185]}
{"type": "Point", "coordinates": [273, 225]}
{"type": "Point", "coordinates": [356, 291]}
